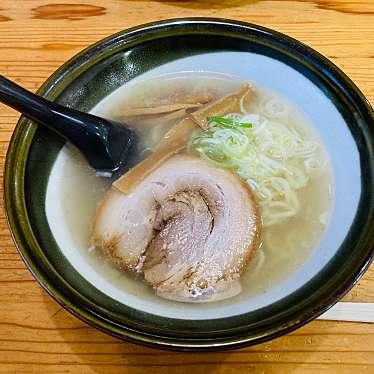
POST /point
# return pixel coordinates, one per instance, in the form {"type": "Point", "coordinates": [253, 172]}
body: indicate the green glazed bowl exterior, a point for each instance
{"type": "Point", "coordinates": [95, 72]}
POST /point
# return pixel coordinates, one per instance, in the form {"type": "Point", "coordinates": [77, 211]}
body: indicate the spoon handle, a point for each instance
{"type": "Point", "coordinates": [89, 133]}
{"type": "Point", "coordinates": [56, 117]}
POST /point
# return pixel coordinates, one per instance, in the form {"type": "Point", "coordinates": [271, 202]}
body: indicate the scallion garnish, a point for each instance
{"type": "Point", "coordinates": [230, 123]}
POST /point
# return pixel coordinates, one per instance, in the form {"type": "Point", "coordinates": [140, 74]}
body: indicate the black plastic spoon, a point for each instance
{"type": "Point", "coordinates": [105, 144]}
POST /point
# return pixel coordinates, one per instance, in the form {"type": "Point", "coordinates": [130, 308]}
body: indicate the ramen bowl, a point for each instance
{"type": "Point", "coordinates": [336, 109]}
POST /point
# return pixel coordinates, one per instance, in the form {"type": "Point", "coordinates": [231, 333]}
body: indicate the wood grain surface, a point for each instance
{"type": "Point", "coordinates": [36, 334]}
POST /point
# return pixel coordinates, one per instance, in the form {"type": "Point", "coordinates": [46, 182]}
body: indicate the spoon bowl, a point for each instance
{"type": "Point", "coordinates": [105, 144]}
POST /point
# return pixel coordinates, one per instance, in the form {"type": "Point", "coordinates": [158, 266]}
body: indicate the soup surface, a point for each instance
{"type": "Point", "coordinates": [288, 235]}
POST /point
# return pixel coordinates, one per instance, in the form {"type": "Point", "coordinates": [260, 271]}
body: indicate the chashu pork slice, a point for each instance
{"type": "Point", "coordinates": [190, 228]}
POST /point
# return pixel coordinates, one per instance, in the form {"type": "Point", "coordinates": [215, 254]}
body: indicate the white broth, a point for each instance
{"type": "Point", "coordinates": [74, 192]}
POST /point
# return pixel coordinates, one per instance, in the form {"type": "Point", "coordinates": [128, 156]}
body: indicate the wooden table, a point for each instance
{"type": "Point", "coordinates": [36, 334]}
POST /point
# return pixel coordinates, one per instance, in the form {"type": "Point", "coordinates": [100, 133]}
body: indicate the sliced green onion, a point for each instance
{"type": "Point", "coordinates": [274, 159]}
{"type": "Point", "coordinates": [225, 122]}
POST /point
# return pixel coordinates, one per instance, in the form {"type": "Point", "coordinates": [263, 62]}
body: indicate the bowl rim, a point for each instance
{"type": "Point", "coordinates": [21, 140]}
